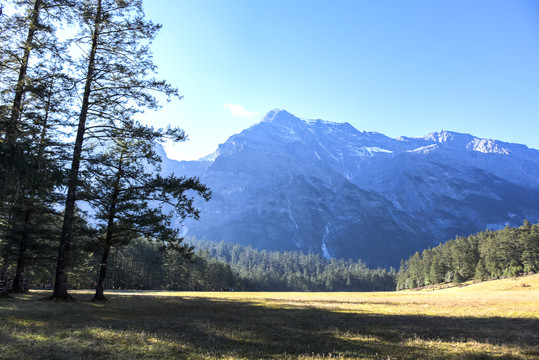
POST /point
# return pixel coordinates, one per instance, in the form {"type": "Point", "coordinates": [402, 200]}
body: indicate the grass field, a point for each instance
{"type": "Point", "coordinates": [496, 319]}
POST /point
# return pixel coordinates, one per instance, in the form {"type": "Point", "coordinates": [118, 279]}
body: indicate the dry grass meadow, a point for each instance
{"type": "Point", "coordinates": [491, 320]}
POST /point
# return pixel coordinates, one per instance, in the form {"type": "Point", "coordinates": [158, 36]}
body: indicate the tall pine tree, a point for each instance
{"type": "Point", "coordinates": [31, 62]}
{"type": "Point", "coordinates": [116, 75]}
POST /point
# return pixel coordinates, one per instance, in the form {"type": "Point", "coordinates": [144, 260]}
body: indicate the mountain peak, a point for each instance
{"type": "Point", "coordinates": [279, 115]}
{"type": "Point", "coordinates": [442, 136]}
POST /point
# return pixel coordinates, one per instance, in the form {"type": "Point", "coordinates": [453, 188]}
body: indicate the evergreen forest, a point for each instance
{"type": "Point", "coordinates": [482, 256]}
{"type": "Point", "coordinates": [214, 266]}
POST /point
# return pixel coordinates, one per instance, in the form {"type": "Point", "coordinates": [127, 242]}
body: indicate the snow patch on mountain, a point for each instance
{"type": "Point", "coordinates": [424, 149]}
{"type": "Point", "coordinates": [440, 136]}
{"type": "Point", "coordinates": [374, 149]}
{"type": "Point", "coordinates": [290, 215]}
{"type": "Point", "coordinates": [324, 247]}
{"type": "Point", "coordinates": [487, 146]}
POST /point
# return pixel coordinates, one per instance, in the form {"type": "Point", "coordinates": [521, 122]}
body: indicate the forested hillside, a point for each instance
{"type": "Point", "coordinates": [215, 266]}
{"type": "Point", "coordinates": [296, 271]}
{"type": "Point", "coordinates": [224, 266]}
{"type": "Point", "coordinates": [482, 256]}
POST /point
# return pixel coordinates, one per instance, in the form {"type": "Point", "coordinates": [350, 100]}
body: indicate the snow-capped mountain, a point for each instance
{"type": "Point", "coordinates": [291, 184]}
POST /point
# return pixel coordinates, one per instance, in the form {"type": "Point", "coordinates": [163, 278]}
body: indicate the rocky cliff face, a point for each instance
{"type": "Point", "coordinates": [289, 184]}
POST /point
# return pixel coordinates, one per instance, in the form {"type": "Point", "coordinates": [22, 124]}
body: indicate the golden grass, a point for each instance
{"type": "Point", "coordinates": [495, 319]}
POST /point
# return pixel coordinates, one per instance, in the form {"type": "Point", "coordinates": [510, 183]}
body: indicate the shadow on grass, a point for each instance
{"type": "Point", "coordinates": [177, 328]}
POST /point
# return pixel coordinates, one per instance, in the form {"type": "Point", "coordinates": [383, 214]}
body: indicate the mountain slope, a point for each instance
{"type": "Point", "coordinates": [289, 184]}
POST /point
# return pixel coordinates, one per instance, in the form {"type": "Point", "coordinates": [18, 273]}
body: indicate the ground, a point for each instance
{"type": "Point", "coordinates": [495, 319]}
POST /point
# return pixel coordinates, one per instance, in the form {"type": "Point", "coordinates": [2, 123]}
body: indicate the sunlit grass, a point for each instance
{"type": "Point", "coordinates": [496, 319]}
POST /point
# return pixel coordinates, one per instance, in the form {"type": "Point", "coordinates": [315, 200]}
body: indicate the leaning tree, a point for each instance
{"type": "Point", "coordinates": [131, 199]}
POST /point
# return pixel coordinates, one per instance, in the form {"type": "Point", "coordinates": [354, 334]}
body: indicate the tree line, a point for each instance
{"type": "Point", "coordinates": [482, 256]}
{"type": "Point", "coordinates": [264, 270]}
{"type": "Point", "coordinates": [223, 266]}
{"type": "Point", "coordinates": [74, 74]}
{"type": "Point", "coordinates": [216, 266]}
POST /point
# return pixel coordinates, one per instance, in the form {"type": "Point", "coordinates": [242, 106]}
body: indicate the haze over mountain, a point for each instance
{"type": "Point", "coordinates": [290, 184]}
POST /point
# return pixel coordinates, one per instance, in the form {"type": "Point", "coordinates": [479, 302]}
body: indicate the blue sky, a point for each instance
{"type": "Point", "coordinates": [395, 67]}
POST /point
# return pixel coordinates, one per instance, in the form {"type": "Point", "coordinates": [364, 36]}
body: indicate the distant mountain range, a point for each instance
{"type": "Point", "coordinates": [289, 184]}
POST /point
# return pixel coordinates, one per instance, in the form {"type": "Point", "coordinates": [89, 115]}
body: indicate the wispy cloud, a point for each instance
{"type": "Point", "coordinates": [238, 110]}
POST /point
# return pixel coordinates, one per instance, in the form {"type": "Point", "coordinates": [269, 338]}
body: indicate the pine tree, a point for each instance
{"type": "Point", "coordinates": [436, 271]}
{"type": "Point", "coordinates": [128, 195]}
{"type": "Point", "coordinates": [29, 148]}
{"type": "Point", "coordinates": [30, 57]}
{"type": "Point", "coordinates": [529, 243]}
{"type": "Point", "coordinates": [117, 84]}
{"type": "Point", "coordinates": [481, 272]}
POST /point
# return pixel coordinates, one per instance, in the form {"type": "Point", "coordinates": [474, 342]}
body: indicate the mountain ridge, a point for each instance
{"type": "Point", "coordinates": [313, 185]}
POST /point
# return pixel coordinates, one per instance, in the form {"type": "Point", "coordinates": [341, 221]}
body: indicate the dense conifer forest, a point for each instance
{"type": "Point", "coordinates": [221, 266]}
{"type": "Point", "coordinates": [295, 271]}
{"type": "Point", "coordinates": [482, 256]}
{"type": "Point", "coordinates": [214, 266]}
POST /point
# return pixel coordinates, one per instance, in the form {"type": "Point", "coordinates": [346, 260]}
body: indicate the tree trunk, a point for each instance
{"type": "Point", "coordinates": [42, 145]}
{"type": "Point", "coordinates": [99, 296]}
{"type": "Point", "coordinates": [19, 90]}
{"type": "Point", "coordinates": [18, 281]}
{"type": "Point", "coordinates": [99, 290]}
{"type": "Point", "coordinates": [11, 126]}
{"type": "Point", "coordinates": [60, 284]}
{"type": "Point", "coordinates": [3, 273]}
